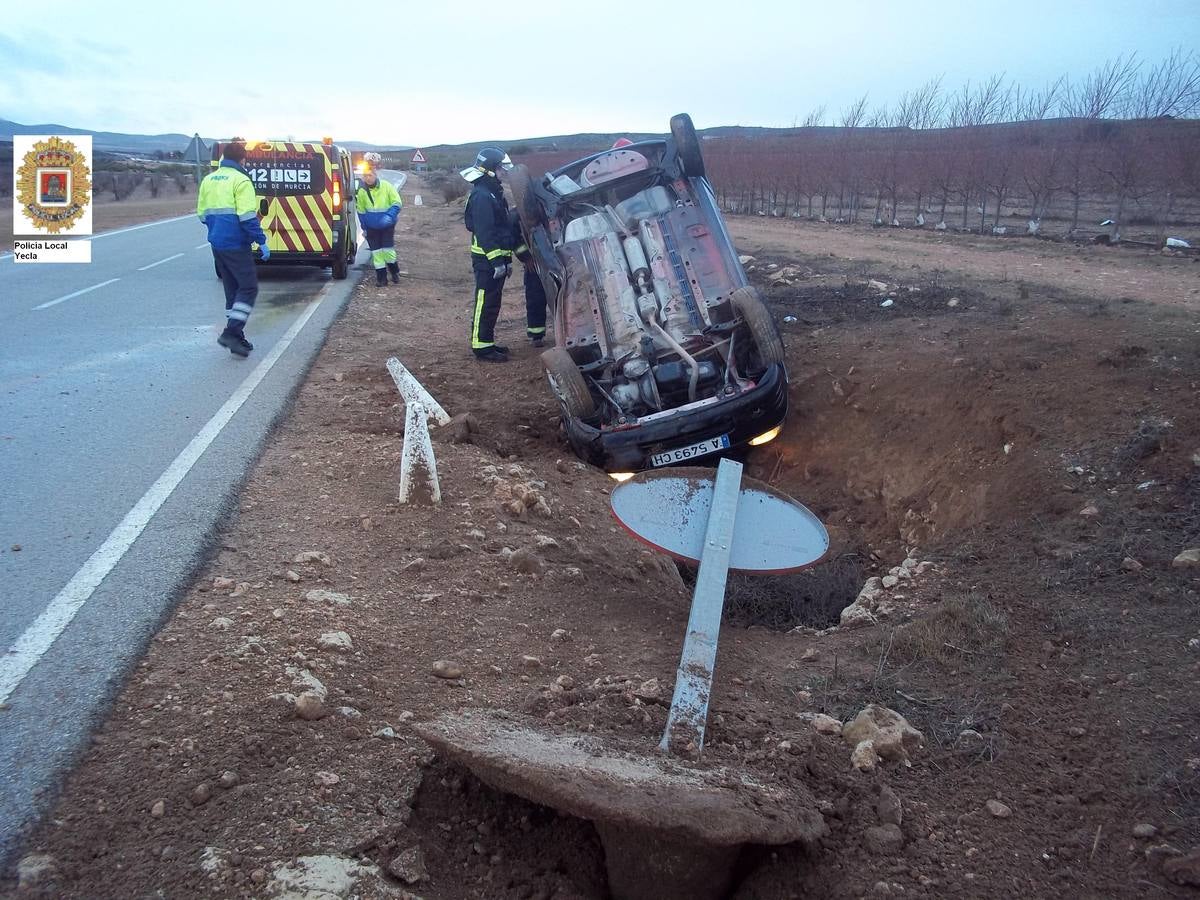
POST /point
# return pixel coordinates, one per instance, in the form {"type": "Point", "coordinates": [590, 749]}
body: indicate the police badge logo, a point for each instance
{"type": "Point", "coordinates": [53, 189]}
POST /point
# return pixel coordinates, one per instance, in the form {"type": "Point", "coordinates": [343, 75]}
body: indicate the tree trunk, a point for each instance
{"type": "Point", "coordinates": [1075, 212]}
{"type": "Point", "coordinates": [1115, 233]}
{"type": "Point", "coordinates": [983, 213]}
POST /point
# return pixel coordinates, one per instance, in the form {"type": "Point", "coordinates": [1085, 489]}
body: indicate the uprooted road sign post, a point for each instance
{"type": "Point", "coordinates": [418, 467]}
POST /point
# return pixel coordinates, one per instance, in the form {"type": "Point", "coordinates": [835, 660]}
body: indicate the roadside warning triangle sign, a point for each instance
{"type": "Point", "coordinates": [418, 157]}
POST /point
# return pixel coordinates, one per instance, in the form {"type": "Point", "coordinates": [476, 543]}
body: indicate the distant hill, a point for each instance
{"type": "Point", "coordinates": [141, 144]}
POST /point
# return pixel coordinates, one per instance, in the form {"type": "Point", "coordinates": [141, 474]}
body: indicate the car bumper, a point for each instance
{"type": "Point", "coordinates": [743, 418]}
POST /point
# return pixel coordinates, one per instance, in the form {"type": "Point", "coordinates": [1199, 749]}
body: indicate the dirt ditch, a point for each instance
{"type": "Point", "coordinates": [1028, 449]}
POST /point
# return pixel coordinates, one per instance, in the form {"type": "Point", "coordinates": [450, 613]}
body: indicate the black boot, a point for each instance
{"type": "Point", "coordinates": [381, 278]}
{"type": "Point", "coordinates": [394, 271]}
{"type": "Point", "coordinates": [235, 342]}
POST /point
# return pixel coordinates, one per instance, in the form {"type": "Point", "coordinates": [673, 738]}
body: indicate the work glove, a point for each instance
{"type": "Point", "coordinates": [265, 251]}
{"type": "Point", "coordinates": [501, 271]}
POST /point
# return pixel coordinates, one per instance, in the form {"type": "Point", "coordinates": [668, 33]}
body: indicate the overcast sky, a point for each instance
{"type": "Point", "coordinates": [432, 72]}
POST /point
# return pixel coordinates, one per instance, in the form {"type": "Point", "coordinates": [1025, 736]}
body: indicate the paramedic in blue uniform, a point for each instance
{"type": "Point", "coordinates": [486, 217]}
{"type": "Point", "coordinates": [227, 204]}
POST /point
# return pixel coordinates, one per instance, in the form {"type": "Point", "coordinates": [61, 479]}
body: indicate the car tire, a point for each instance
{"type": "Point", "coordinates": [687, 143]}
{"type": "Point", "coordinates": [529, 211]}
{"type": "Point", "coordinates": [341, 265]}
{"type": "Point", "coordinates": [567, 383]}
{"type": "Point", "coordinates": [749, 306]}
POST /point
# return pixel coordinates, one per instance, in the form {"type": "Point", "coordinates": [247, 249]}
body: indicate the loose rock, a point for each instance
{"type": "Point", "coordinates": [228, 779]}
{"type": "Point", "coordinates": [338, 641]}
{"type": "Point", "coordinates": [159, 809]}
{"type": "Point", "coordinates": [291, 576]}
{"type": "Point", "coordinates": [1188, 559]}
{"type": "Point", "coordinates": [531, 662]}
{"type": "Point", "coordinates": [310, 707]}
{"type": "Point", "coordinates": [35, 870]}
{"type": "Point", "coordinates": [649, 690]}
{"type": "Point", "coordinates": [560, 636]}
{"type": "Point", "coordinates": [998, 809]}
{"type": "Point", "coordinates": [527, 562]}
{"type": "Point", "coordinates": [223, 584]}
{"type": "Point", "coordinates": [448, 669]}
{"type": "Point", "coordinates": [884, 840]}
{"type": "Point", "coordinates": [864, 757]}
{"type": "Point", "coordinates": [331, 597]}
{"type": "Point", "coordinates": [1184, 870]}
{"type": "Point", "coordinates": [889, 808]}
{"type": "Point", "coordinates": [1129, 564]}
{"type": "Point", "coordinates": [824, 724]}
{"type": "Point", "coordinates": [889, 732]}
{"type": "Point", "coordinates": [313, 556]}
{"type": "Point", "coordinates": [409, 866]}
{"type": "Point", "coordinates": [1144, 831]}
{"type": "Point", "coordinates": [201, 794]}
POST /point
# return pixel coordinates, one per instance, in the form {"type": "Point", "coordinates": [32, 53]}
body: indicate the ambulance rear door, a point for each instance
{"type": "Point", "coordinates": [295, 180]}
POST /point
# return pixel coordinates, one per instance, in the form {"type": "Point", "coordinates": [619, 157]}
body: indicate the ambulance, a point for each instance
{"type": "Point", "coordinates": [305, 201]}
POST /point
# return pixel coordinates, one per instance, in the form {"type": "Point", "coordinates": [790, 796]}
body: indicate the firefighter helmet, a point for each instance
{"type": "Point", "coordinates": [486, 163]}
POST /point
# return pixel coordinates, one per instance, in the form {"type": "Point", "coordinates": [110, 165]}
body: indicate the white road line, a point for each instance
{"type": "Point", "coordinates": [86, 290]}
{"type": "Point", "coordinates": [203, 246]}
{"type": "Point", "coordinates": [160, 262]}
{"type": "Point", "coordinates": [46, 628]}
{"type": "Point", "coordinates": [105, 234]}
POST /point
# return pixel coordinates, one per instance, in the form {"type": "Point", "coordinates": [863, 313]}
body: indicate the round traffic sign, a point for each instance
{"type": "Point", "coordinates": [668, 509]}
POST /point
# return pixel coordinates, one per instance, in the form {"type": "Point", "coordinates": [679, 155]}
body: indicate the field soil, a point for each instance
{"type": "Point", "coordinates": [109, 214]}
{"type": "Point", "coordinates": [1020, 424]}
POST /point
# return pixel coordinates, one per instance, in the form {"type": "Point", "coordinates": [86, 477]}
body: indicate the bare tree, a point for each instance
{"type": "Point", "coordinates": [852, 119]}
{"type": "Point", "coordinates": [1099, 95]}
{"type": "Point", "coordinates": [815, 118]}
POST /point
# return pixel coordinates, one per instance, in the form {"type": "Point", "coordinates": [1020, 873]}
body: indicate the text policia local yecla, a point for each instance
{"type": "Point", "coordinates": [28, 250]}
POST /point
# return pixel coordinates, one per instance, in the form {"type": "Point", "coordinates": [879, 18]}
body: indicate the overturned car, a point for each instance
{"type": "Point", "coordinates": [664, 352]}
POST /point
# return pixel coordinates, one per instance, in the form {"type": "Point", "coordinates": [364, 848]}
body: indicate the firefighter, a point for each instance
{"type": "Point", "coordinates": [535, 294]}
{"type": "Point", "coordinates": [227, 204]}
{"type": "Point", "coordinates": [378, 206]}
{"type": "Point", "coordinates": [486, 217]}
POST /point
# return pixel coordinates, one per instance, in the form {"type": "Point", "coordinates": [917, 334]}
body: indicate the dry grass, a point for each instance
{"type": "Point", "coordinates": [962, 631]}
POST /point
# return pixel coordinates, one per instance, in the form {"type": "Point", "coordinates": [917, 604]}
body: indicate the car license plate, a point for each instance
{"type": "Point", "coordinates": [691, 451]}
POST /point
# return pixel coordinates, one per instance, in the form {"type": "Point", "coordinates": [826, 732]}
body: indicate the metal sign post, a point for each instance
{"type": "Point", "coordinates": [723, 523]}
{"type": "Point", "coordinates": [693, 680]}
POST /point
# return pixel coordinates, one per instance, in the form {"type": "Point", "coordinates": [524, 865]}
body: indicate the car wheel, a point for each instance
{"type": "Point", "coordinates": [529, 211]}
{"type": "Point", "coordinates": [568, 385]}
{"type": "Point", "coordinates": [768, 344]}
{"type": "Point", "coordinates": [341, 266]}
{"type": "Point", "coordinates": [688, 145]}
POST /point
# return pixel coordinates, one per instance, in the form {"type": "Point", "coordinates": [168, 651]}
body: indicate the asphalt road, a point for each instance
{"type": "Point", "coordinates": [125, 432]}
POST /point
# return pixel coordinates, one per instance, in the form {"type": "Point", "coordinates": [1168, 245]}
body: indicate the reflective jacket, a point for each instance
{"type": "Point", "coordinates": [486, 217]}
{"type": "Point", "coordinates": [227, 204]}
{"type": "Point", "coordinates": [378, 206]}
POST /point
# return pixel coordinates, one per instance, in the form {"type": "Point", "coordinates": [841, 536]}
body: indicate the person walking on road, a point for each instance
{"type": "Point", "coordinates": [227, 204]}
{"type": "Point", "coordinates": [379, 204]}
{"type": "Point", "coordinates": [486, 217]}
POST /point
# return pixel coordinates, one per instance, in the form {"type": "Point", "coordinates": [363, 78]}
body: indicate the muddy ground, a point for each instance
{"type": "Point", "coordinates": [1014, 417]}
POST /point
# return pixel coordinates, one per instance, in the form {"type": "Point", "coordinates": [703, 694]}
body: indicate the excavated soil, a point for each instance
{"type": "Point", "coordinates": [1031, 439]}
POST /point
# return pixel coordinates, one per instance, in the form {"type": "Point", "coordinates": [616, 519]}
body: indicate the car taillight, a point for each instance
{"type": "Point", "coordinates": [337, 193]}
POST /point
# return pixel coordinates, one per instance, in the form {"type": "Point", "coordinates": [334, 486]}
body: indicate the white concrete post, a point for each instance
{"type": "Point", "coordinates": [414, 392]}
{"type": "Point", "coordinates": [418, 468]}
